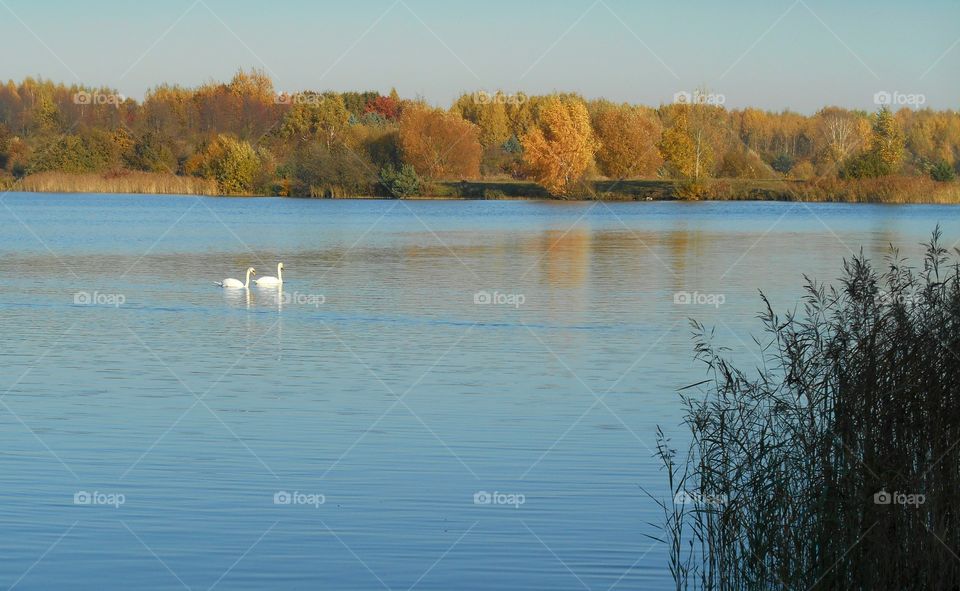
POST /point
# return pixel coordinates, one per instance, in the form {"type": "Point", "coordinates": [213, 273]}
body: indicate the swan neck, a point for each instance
{"type": "Point", "coordinates": [279, 273]}
{"type": "Point", "coordinates": [247, 282]}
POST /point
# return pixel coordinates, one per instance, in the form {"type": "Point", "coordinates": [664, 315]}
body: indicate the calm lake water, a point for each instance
{"type": "Point", "coordinates": [151, 423]}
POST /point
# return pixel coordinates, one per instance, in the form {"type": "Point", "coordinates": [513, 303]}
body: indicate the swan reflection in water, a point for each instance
{"type": "Point", "coordinates": [238, 297]}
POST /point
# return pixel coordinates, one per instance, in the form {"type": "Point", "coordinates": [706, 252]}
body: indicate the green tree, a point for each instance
{"type": "Point", "coordinates": [943, 172]}
{"type": "Point", "coordinates": [88, 151]}
{"type": "Point", "coordinates": [401, 182]}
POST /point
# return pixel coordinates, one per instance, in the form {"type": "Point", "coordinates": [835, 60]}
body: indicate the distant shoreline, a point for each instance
{"type": "Point", "coordinates": [881, 190]}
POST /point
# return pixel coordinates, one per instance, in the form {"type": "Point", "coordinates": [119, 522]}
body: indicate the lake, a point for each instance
{"type": "Point", "coordinates": [446, 395]}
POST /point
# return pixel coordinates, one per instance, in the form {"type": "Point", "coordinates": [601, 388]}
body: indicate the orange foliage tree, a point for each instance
{"type": "Point", "coordinates": [558, 149]}
{"type": "Point", "coordinates": [628, 139]}
{"type": "Point", "coordinates": [439, 144]}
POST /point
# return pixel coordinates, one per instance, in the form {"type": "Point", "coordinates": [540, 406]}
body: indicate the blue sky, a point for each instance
{"type": "Point", "coordinates": [776, 54]}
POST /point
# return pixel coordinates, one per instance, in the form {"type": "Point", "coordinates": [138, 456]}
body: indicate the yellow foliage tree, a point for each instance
{"type": "Point", "coordinates": [887, 141]}
{"type": "Point", "coordinates": [628, 142]}
{"type": "Point", "coordinates": [489, 113]}
{"type": "Point", "coordinates": [677, 146]}
{"type": "Point", "coordinates": [560, 146]}
{"type": "Point", "coordinates": [232, 163]}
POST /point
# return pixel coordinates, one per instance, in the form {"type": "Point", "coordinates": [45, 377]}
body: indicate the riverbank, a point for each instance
{"type": "Point", "coordinates": [878, 190]}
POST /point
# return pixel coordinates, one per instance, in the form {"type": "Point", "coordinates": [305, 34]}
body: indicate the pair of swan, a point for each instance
{"type": "Point", "coordinates": [262, 282]}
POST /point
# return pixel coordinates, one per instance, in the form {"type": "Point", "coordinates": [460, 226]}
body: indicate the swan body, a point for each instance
{"type": "Point", "coordinates": [236, 283]}
{"type": "Point", "coordinates": [272, 281]}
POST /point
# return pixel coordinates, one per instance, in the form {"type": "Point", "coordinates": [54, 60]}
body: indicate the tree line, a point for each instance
{"type": "Point", "coordinates": [249, 138]}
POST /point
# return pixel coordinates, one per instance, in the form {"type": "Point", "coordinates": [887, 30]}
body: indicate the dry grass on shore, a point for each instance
{"type": "Point", "coordinates": [893, 189]}
{"type": "Point", "coordinates": [123, 182]}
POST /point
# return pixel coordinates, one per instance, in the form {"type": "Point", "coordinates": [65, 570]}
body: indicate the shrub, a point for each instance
{"type": "Point", "coordinates": [743, 163]}
{"type": "Point", "coordinates": [400, 183]}
{"type": "Point", "coordinates": [92, 151]}
{"type": "Point", "coordinates": [790, 478]}
{"type": "Point", "coordinates": [513, 146]}
{"type": "Point", "coordinates": [783, 163]}
{"type": "Point", "coordinates": [232, 163]}
{"type": "Point", "coordinates": [321, 172]}
{"type": "Point", "coordinates": [804, 170]}
{"type": "Point", "coordinates": [151, 153]}
{"type": "Point", "coordinates": [942, 172]}
{"type": "Point", "coordinates": [690, 190]}
{"type": "Point", "coordinates": [866, 165]}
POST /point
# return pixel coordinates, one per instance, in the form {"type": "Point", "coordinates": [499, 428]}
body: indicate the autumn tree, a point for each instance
{"type": "Point", "coordinates": [628, 139]}
{"type": "Point", "coordinates": [931, 137]}
{"type": "Point", "coordinates": [885, 153]}
{"type": "Point", "coordinates": [694, 136]}
{"type": "Point", "coordinates": [318, 171]}
{"type": "Point", "coordinates": [313, 116]}
{"type": "Point", "coordinates": [842, 133]}
{"type": "Point", "coordinates": [677, 146]}
{"type": "Point", "coordinates": [151, 152]}
{"type": "Point", "coordinates": [356, 102]}
{"type": "Point", "coordinates": [886, 143]}
{"type": "Point", "coordinates": [5, 141]}
{"type": "Point", "coordinates": [389, 107]}
{"type": "Point", "coordinates": [91, 150]}
{"type": "Point", "coordinates": [232, 163]}
{"type": "Point", "coordinates": [439, 144]}
{"type": "Point", "coordinates": [559, 147]}
{"type": "Point", "coordinates": [489, 113]}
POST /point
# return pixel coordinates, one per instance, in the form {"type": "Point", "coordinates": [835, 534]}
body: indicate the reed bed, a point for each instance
{"type": "Point", "coordinates": [881, 190]}
{"type": "Point", "coordinates": [122, 182]}
{"type": "Point", "coordinates": [836, 465]}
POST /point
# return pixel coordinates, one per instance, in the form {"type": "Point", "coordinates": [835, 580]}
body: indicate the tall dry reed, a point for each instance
{"type": "Point", "coordinates": [836, 466]}
{"type": "Point", "coordinates": [124, 182]}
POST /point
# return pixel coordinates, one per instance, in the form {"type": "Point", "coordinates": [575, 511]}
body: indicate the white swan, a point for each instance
{"type": "Point", "coordinates": [235, 283]}
{"type": "Point", "coordinates": [271, 281]}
